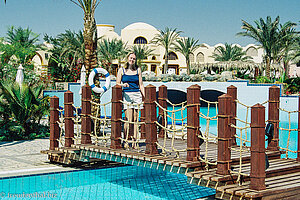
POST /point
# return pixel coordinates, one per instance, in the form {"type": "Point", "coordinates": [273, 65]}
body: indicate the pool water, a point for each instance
{"type": "Point", "coordinates": [125, 182]}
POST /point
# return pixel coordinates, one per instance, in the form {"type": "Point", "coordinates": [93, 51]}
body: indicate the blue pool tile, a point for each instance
{"type": "Point", "coordinates": [127, 182]}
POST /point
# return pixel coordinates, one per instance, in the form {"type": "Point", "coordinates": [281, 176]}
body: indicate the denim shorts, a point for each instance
{"type": "Point", "coordinates": [132, 100]}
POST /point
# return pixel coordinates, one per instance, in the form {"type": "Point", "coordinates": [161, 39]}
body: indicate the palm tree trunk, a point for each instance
{"type": "Point", "coordinates": [90, 43]}
{"type": "Point", "coordinates": [166, 63]}
{"type": "Point", "coordinates": [188, 67]}
{"type": "Point", "coordinates": [286, 69]}
{"type": "Point", "coordinates": [268, 67]}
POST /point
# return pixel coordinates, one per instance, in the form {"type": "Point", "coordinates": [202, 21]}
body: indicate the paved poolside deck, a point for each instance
{"type": "Point", "coordinates": [24, 157]}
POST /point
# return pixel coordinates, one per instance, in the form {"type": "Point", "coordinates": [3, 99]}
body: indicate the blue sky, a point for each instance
{"type": "Point", "coordinates": [209, 21]}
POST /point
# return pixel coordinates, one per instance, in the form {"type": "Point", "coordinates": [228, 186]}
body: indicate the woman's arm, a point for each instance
{"type": "Point", "coordinates": [119, 78]}
{"type": "Point", "coordinates": [141, 84]}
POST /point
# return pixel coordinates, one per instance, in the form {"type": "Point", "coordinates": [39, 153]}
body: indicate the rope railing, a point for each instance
{"type": "Point", "coordinates": [61, 124]}
{"type": "Point", "coordinates": [127, 138]}
{"type": "Point", "coordinates": [289, 130]}
{"type": "Point", "coordinates": [102, 122]}
{"type": "Point", "coordinates": [246, 121]}
{"type": "Point", "coordinates": [100, 130]}
{"type": "Point", "coordinates": [242, 148]}
{"type": "Point", "coordinates": [174, 131]}
{"type": "Point", "coordinates": [206, 136]}
{"type": "Point", "coordinates": [77, 123]}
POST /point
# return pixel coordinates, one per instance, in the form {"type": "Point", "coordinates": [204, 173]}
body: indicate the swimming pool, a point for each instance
{"type": "Point", "coordinates": [125, 182]}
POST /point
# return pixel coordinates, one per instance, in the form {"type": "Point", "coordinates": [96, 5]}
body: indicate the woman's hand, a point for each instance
{"type": "Point", "coordinates": [125, 85]}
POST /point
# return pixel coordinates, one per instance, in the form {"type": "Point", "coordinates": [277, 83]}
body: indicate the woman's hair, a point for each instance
{"type": "Point", "coordinates": [135, 66]}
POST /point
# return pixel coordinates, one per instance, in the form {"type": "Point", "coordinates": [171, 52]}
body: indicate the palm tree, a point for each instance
{"type": "Point", "coordinates": [296, 52]}
{"type": "Point", "coordinates": [24, 37]}
{"type": "Point", "coordinates": [166, 38]}
{"type": "Point", "coordinates": [109, 50]}
{"type": "Point", "coordinates": [73, 45]}
{"type": "Point", "coordinates": [266, 34]}
{"type": "Point", "coordinates": [89, 32]}
{"type": "Point", "coordinates": [21, 43]}
{"type": "Point", "coordinates": [141, 52]}
{"type": "Point", "coordinates": [230, 53]}
{"type": "Point", "coordinates": [122, 51]}
{"type": "Point", "coordinates": [68, 54]}
{"type": "Point", "coordinates": [187, 46]}
{"type": "Point", "coordinates": [287, 46]}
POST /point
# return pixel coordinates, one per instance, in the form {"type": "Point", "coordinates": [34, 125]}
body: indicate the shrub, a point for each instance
{"type": "Point", "coordinates": [293, 85]}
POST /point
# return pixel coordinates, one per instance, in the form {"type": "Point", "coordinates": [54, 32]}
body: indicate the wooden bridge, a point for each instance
{"type": "Point", "coordinates": [235, 170]}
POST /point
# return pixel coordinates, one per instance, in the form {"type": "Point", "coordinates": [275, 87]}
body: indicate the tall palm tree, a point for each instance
{"type": "Point", "coordinates": [230, 53]}
{"type": "Point", "coordinates": [141, 52]}
{"type": "Point", "coordinates": [266, 34]}
{"type": "Point", "coordinates": [187, 46]}
{"type": "Point", "coordinates": [166, 38]}
{"type": "Point", "coordinates": [89, 32]}
{"type": "Point", "coordinates": [288, 44]}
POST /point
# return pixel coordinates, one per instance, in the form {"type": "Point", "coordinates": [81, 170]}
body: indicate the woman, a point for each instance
{"type": "Point", "coordinates": [133, 90]}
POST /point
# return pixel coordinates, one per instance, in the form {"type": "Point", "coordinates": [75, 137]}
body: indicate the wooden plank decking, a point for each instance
{"type": "Point", "coordinates": [282, 175]}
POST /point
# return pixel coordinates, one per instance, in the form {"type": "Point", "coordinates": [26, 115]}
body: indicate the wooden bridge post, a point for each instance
{"type": "Point", "coordinates": [69, 115]}
{"type": "Point", "coordinates": [86, 115]}
{"type": "Point", "coordinates": [257, 173]}
{"type": "Point", "coordinates": [232, 91]}
{"type": "Point", "coordinates": [224, 134]}
{"type": "Point", "coordinates": [162, 100]}
{"type": "Point", "coordinates": [150, 118]}
{"type": "Point", "coordinates": [54, 127]}
{"type": "Point", "coordinates": [273, 116]}
{"type": "Point", "coordinates": [298, 153]}
{"type": "Point", "coordinates": [116, 116]}
{"type": "Point", "coordinates": [143, 130]}
{"type": "Point", "coordinates": [193, 124]}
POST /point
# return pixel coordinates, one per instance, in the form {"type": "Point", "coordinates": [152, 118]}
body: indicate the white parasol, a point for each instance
{"type": "Point", "coordinates": [82, 78]}
{"type": "Point", "coordinates": [20, 75]}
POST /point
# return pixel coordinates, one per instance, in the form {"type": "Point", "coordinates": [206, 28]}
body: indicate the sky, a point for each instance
{"type": "Point", "coordinates": [209, 21]}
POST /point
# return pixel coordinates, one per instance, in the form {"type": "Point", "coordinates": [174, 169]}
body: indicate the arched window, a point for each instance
{"type": "Point", "coordinates": [153, 58]}
{"type": "Point", "coordinates": [251, 51]}
{"type": "Point", "coordinates": [140, 40]}
{"type": "Point", "coordinates": [172, 56]}
{"type": "Point", "coordinates": [200, 57]}
{"type": "Point", "coordinates": [192, 58]}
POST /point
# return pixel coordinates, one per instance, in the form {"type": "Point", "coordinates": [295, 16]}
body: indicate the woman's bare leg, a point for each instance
{"type": "Point", "coordinates": [129, 117]}
{"type": "Point", "coordinates": [136, 127]}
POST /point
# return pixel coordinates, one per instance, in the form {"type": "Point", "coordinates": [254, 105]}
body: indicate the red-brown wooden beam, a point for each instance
{"type": "Point", "coordinates": [69, 115]}
{"type": "Point", "coordinates": [162, 100]}
{"type": "Point", "coordinates": [54, 127]}
{"type": "Point", "coordinates": [273, 116]}
{"type": "Point", "coordinates": [116, 116]}
{"type": "Point", "coordinates": [257, 173]}
{"type": "Point", "coordinates": [232, 91]}
{"type": "Point", "coordinates": [193, 124]}
{"type": "Point", "coordinates": [224, 134]}
{"type": "Point", "coordinates": [150, 119]}
{"type": "Point", "coordinates": [142, 118]}
{"type": "Point", "coordinates": [86, 115]}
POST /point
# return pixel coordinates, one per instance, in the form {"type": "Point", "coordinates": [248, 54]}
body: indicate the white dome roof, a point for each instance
{"type": "Point", "coordinates": [139, 25]}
